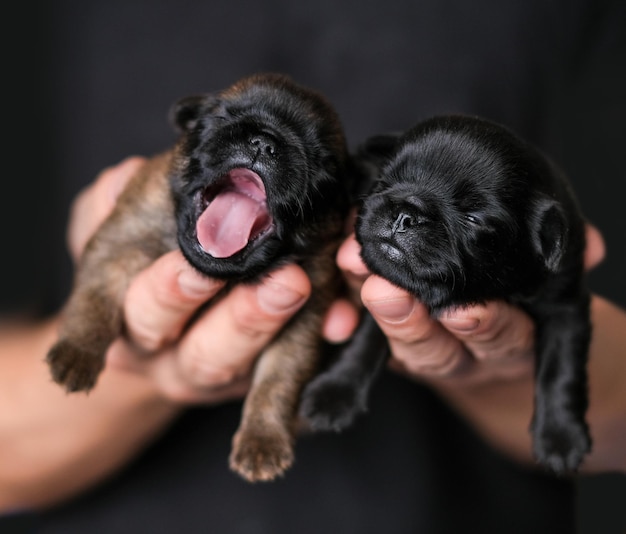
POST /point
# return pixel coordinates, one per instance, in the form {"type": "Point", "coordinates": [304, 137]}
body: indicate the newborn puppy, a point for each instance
{"type": "Point", "coordinates": [464, 212]}
{"type": "Point", "coordinates": [257, 179]}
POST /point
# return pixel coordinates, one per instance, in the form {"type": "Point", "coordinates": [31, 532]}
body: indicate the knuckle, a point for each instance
{"type": "Point", "coordinates": [435, 363]}
{"type": "Point", "coordinates": [439, 368]}
{"type": "Point", "coordinates": [419, 331]}
{"type": "Point", "coordinates": [147, 339]}
{"type": "Point", "coordinates": [202, 372]}
{"type": "Point", "coordinates": [490, 329]}
{"type": "Point", "coordinates": [164, 294]}
{"type": "Point", "coordinates": [200, 366]}
{"type": "Point", "coordinates": [251, 324]}
{"type": "Point", "coordinates": [505, 343]}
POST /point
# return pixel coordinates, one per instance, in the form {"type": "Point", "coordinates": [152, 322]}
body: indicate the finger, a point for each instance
{"type": "Point", "coordinates": [96, 202]}
{"type": "Point", "coordinates": [418, 343]}
{"type": "Point", "coordinates": [497, 334]}
{"type": "Point", "coordinates": [340, 322]}
{"type": "Point", "coordinates": [163, 372]}
{"type": "Point", "coordinates": [162, 299]}
{"type": "Point", "coordinates": [350, 262]}
{"type": "Point", "coordinates": [221, 346]}
{"type": "Point", "coordinates": [595, 249]}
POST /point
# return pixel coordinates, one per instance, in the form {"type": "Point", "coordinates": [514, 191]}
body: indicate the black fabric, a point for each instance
{"type": "Point", "coordinates": [101, 78]}
{"type": "Point", "coordinates": [388, 474]}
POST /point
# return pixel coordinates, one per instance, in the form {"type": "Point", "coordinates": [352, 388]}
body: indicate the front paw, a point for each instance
{"type": "Point", "coordinates": [261, 455]}
{"type": "Point", "coordinates": [72, 367]}
{"type": "Point", "coordinates": [329, 404]}
{"type": "Point", "coordinates": [561, 447]}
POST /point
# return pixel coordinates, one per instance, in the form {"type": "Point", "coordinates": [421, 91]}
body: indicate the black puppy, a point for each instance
{"type": "Point", "coordinates": [257, 179]}
{"type": "Point", "coordinates": [464, 212]}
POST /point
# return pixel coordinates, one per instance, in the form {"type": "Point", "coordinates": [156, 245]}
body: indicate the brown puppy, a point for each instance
{"type": "Point", "coordinates": [257, 179]}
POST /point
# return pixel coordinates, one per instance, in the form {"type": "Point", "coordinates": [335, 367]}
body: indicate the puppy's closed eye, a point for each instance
{"type": "Point", "coordinates": [473, 219]}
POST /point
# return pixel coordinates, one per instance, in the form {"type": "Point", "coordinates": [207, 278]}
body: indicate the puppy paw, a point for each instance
{"type": "Point", "coordinates": [332, 405]}
{"type": "Point", "coordinates": [561, 448]}
{"type": "Point", "coordinates": [72, 367]}
{"type": "Point", "coordinates": [261, 456]}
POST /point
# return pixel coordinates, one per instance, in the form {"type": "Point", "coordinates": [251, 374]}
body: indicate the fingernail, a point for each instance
{"type": "Point", "coordinates": [461, 324]}
{"type": "Point", "coordinates": [194, 285]}
{"type": "Point", "coordinates": [392, 310]}
{"type": "Point", "coordinates": [349, 258]}
{"type": "Point", "coordinates": [277, 298]}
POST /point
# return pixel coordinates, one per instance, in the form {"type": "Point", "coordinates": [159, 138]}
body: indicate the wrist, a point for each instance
{"type": "Point", "coordinates": [84, 437]}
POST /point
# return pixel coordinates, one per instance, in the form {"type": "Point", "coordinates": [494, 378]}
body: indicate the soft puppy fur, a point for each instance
{"type": "Point", "coordinates": [463, 211]}
{"type": "Point", "coordinates": [258, 178]}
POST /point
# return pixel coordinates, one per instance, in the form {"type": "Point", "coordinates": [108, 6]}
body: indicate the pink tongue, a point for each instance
{"type": "Point", "coordinates": [229, 222]}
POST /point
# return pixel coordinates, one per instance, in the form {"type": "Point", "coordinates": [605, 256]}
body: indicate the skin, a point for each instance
{"type": "Point", "coordinates": [479, 359]}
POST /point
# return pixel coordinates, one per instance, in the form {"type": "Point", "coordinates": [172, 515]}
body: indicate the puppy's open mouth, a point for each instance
{"type": "Point", "coordinates": [235, 214]}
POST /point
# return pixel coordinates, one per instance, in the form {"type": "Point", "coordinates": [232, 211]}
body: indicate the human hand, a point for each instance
{"type": "Point", "coordinates": [468, 346]}
{"type": "Point", "coordinates": [480, 358]}
{"type": "Point", "coordinates": [209, 360]}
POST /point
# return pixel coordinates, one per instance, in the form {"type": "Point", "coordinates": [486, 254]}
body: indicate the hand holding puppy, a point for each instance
{"type": "Point", "coordinates": [468, 347]}
{"type": "Point", "coordinates": [461, 212]}
{"type": "Point", "coordinates": [479, 358]}
{"type": "Point", "coordinates": [162, 299]}
{"type": "Point", "coordinates": [257, 179]}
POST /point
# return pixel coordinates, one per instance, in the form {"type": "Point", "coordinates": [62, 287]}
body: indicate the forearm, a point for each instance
{"type": "Point", "coordinates": [52, 444]}
{"type": "Point", "coordinates": [607, 370]}
{"type": "Point", "coordinates": [501, 411]}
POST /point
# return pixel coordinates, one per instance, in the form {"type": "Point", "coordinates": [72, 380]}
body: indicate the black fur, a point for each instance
{"type": "Point", "coordinates": [336, 397]}
{"type": "Point", "coordinates": [464, 212]}
{"type": "Point", "coordinates": [292, 138]}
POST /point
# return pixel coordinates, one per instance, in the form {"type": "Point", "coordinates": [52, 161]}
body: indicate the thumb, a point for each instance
{"type": "Point", "coordinates": [95, 203]}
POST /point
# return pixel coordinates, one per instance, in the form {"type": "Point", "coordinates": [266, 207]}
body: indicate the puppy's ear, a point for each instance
{"type": "Point", "coordinates": [369, 159]}
{"type": "Point", "coordinates": [378, 149]}
{"type": "Point", "coordinates": [548, 232]}
{"type": "Point", "coordinates": [185, 113]}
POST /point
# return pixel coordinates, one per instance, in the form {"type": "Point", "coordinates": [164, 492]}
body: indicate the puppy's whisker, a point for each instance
{"type": "Point", "coordinates": [451, 269]}
{"type": "Point", "coordinates": [299, 212]}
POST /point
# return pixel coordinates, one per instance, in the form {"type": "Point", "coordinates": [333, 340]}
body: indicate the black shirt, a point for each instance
{"type": "Point", "coordinates": [103, 75]}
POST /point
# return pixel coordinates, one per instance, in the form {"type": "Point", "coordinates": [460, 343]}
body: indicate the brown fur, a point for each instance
{"type": "Point", "coordinates": [140, 229]}
{"type": "Point", "coordinates": [263, 445]}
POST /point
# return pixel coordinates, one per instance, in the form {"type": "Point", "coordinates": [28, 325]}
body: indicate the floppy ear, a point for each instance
{"type": "Point", "coordinates": [378, 149]}
{"type": "Point", "coordinates": [548, 233]}
{"type": "Point", "coordinates": [368, 161]}
{"type": "Point", "coordinates": [185, 113]}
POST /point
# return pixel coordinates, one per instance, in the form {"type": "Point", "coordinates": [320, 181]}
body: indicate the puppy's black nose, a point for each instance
{"type": "Point", "coordinates": [264, 144]}
{"type": "Point", "coordinates": [403, 222]}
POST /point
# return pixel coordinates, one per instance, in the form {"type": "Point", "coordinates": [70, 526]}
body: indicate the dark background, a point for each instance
{"type": "Point", "coordinates": [60, 97]}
